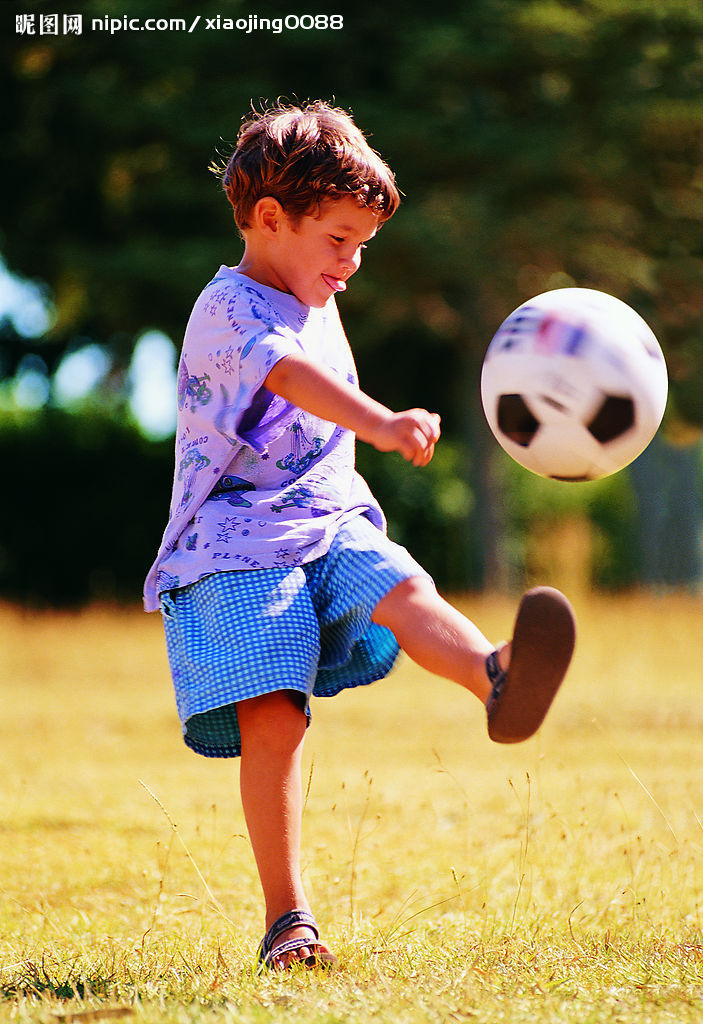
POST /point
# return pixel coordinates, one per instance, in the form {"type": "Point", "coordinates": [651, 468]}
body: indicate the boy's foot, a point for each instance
{"type": "Point", "coordinates": [542, 646]}
{"type": "Point", "coordinates": [278, 953]}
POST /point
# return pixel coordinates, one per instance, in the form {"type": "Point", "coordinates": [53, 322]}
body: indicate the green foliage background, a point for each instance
{"type": "Point", "coordinates": [538, 143]}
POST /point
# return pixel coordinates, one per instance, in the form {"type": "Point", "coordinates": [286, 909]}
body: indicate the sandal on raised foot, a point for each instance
{"type": "Point", "coordinates": [279, 958]}
{"type": "Point", "coordinates": [543, 643]}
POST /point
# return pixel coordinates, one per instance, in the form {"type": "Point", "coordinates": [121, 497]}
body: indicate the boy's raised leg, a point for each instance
{"type": "Point", "coordinates": [436, 635]}
{"type": "Point", "coordinates": [525, 673]}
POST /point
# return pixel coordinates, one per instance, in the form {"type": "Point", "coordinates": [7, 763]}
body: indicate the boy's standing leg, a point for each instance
{"type": "Point", "coordinates": [272, 729]}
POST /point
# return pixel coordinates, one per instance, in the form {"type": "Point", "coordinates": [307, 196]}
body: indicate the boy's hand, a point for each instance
{"type": "Point", "coordinates": [414, 433]}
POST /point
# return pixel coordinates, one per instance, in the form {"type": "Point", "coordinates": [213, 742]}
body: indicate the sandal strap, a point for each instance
{"type": "Point", "coordinates": [291, 919]}
{"type": "Point", "coordinates": [291, 945]}
{"type": "Point", "coordinates": [496, 677]}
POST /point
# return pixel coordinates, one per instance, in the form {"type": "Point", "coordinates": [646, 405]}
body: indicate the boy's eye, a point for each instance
{"type": "Point", "coordinates": [339, 240]}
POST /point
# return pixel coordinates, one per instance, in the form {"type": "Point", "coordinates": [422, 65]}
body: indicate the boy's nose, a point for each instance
{"type": "Point", "coordinates": [351, 263]}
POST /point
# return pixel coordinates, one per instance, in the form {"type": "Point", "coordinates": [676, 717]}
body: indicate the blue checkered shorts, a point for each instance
{"type": "Point", "coordinates": [234, 635]}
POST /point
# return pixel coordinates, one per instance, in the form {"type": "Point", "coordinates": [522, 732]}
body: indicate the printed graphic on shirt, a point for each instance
{"type": "Point", "coordinates": [227, 360]}
{"type": "Point", "coordinates": [303, 452]}
{"type": "Point", "coordinates": [230, 526]}
{"type": "Point", "coordinates": [215, 300]}
{"type": "Point", "coordinates": [261, 310]}
{"type": "Point", "coordinates": [192, 458]}
{"type": "Point", "coordinates": [193, 391]}
{"type": "Point", "coordinates": [230, 489]}
{"type": "Point", "coordinates": [297, 497]}
{"type": "Point", "coordinates": [190, 465]}
{"type": "Point", "coordinates": [285, 558]}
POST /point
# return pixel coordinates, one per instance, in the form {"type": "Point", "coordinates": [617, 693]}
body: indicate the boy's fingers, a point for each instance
{"type": "Point", "coordinates": [423, 457]}
{"type": "Point", "coordinates": [418, 432]}
{"type": "Point", "coordinates": [426, 436]}
{"type": "Point", "coordinates": [429, 424]}
{"type": "Point", "coordinates": [433, 434]}
{"type": "Point", "coordinates": [424, 452]}
{"type": "Point", "coordinates": [430, 428]}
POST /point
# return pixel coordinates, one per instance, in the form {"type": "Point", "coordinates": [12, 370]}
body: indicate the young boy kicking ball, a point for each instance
{"type": "Point", "coordinates": [275, 577]}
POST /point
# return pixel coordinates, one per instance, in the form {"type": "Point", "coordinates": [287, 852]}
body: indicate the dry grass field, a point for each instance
{"type": "Point", "coordinates": [559, 880]}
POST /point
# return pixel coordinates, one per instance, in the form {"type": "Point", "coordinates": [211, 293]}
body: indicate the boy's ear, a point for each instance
{"type": "Point", "coordinates": [268, 215]}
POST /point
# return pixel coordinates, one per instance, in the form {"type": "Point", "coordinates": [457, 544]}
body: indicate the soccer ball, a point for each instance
{"type": "Point", "coordinates": [574, 384]}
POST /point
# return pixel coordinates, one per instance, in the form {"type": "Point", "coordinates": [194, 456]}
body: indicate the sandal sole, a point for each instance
{"type": "Point", "coordinates": [543, 644]}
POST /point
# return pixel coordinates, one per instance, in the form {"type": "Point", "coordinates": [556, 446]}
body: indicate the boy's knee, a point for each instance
{"type": "Point", "coordinates": [276, 721]}
{"type": "Point", "coordinates": [416, 590]}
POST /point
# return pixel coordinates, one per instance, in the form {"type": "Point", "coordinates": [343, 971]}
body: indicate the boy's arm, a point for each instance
{"type": "Point", "coordinates": [324, 393]}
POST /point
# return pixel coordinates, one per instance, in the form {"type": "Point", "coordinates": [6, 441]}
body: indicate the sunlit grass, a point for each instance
{"type": "Point", "coordinates": [559, 880]}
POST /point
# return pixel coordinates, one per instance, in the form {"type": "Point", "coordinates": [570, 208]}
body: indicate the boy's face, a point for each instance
{"type": "Point", "coordinates": [314, 257]}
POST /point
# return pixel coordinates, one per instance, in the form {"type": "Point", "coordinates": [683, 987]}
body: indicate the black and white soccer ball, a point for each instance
{"type": "Point", "coordinates": [574, 384]}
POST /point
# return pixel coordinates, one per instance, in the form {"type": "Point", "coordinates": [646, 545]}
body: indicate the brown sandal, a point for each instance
{"type": "Point", "coordinates": [543, 643]}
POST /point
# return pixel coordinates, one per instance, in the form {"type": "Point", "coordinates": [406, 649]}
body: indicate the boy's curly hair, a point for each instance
{"type": "Point", "coordinates": [302, 155]}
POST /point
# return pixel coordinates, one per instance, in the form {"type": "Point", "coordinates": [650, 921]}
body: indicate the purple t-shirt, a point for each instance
{"type": "Point", "coordinates": [259, 483]}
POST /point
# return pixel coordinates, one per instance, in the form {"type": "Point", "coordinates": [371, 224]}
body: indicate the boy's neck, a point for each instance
{"type": "Point", "coordinates": [258, 269]}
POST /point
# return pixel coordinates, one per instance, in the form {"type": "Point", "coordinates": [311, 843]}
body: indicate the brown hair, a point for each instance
{"type": "Point", "coordinates": [302, 156]}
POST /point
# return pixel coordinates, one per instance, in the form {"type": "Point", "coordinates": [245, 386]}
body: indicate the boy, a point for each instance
{"type": "Point", "coordinates": [275, 577]}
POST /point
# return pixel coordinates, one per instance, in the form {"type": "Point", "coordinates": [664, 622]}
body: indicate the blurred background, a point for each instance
{"type": "Point", "coordinates": [538, 143]}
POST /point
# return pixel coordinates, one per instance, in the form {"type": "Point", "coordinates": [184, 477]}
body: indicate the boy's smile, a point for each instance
{"type": "Point", "coordinates": [312, 258]}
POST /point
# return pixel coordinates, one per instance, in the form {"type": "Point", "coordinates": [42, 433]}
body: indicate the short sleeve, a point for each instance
{"type": "Point", "coordinates": [257, 339]}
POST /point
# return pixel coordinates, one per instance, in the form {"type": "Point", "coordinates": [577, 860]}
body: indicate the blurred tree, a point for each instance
{"type": "Point", "coordinates": [533, 139]}
{"type": "Point", "coordinates": [86, 505]}
{"type": "Point", "coordinates": [539, 142]}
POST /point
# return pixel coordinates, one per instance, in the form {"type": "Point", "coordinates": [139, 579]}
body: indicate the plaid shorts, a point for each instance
{"type": "Point", "coordinates": [234, 635]}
